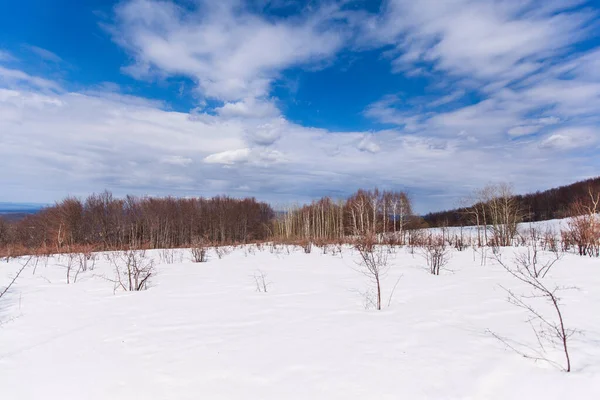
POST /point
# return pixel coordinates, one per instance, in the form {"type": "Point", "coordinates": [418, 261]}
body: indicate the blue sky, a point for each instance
{"type": "Point", "coordinates": [287, 101]}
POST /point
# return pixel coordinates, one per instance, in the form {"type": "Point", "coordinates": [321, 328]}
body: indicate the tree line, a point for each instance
{"type": "Point", "coordinates": [372, 212]}
{"type": "Point", "coordinates": [104, 222]}
{"type": "Point", "coordinates": [553, 203]}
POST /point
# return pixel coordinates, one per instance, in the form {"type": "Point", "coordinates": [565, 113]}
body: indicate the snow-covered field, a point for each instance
{"type": "Point", "coordinates": [203, 331]}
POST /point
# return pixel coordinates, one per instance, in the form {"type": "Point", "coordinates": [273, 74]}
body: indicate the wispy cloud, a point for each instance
{"type": "Point", "coordinates": [44, 54]}
{"type": "Point", "coordinates": [571, 138]}
{"type": "Point", "coordinates": [483, 39]}
{"type": "Point", "coordinates": [5, 56]}
{"type": "Point", "coordinates": [16, 78]}
{"type": "Point", "coordinates": [507, 98]}
{"type": "Point", "coordinates": [515, 57]}
{"type": "Point", "coordinates": [231, 52]}
{"type": "Point", "coordinates": [80, 142]}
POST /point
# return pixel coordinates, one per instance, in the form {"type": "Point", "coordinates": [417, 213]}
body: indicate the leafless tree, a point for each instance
{"type": "Point", "coordinates": [496, 210]}
{"type": "Point", "coordinates": [549, 330]}
{"type": "Point", "coordinates": [373, 263]}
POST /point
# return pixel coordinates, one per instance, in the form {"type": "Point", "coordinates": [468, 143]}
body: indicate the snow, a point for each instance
{"type": "Point", "coordinates": [203, 331]}
{"type": "Point", "coordinates": [554, 226]}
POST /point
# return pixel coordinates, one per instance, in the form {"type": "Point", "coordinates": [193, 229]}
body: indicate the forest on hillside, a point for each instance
{"type": "Point", "coordinates": [544, 205]}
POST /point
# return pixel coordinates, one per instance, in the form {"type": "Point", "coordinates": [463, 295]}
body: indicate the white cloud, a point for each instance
{"type": "Point", "coordinates": [508, 54]}
{"type": "Point", "coordinates": [45, 54]}
{"type": "Point", "coordinates": [367, 144]}
{"type": "Point", "coordinates": [229, 157]}
{"type": "Point", "coordinates": [176, 160]}
{"type": "Point", "coordinates": [483, 39]}
{"type": "Point", "coordinates": [267, 133]}
{"type": "Point", "coordinates": [232, 53]}
{"type": "Point", "coordinates": [523, 130]}
{"type": "Point", "coordinates": [248, 108]}
{"type": "Point", "coordinates": [514, 55]}
{"type": "Point", "coordinates": [254, 157]}
{"type": "Point", "coordinates": [385, 111]}
{"type": "Point", "coordinates": [5, 56]}
{"type": "Point", "coordinates": [571, 138]}
{"type": "Point", "coordinates": [449, 98]}
{"type": "Point", "coordinates": [13, 77]}
{"type": "Point", "coordinates": [58, 143]}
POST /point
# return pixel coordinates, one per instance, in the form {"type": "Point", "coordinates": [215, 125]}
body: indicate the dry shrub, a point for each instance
{"type": "Point", "coordinates": [133, 269]}
{"type": "Point", "coordinates": [584, 226]}
{"type": "Point", "coordinates": [436, 254]}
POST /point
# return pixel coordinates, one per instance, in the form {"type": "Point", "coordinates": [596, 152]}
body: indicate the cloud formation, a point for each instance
{"type": "Point", "coordinates": [229, 51]}
{"type": "Point", "coordinates": [508, 98]}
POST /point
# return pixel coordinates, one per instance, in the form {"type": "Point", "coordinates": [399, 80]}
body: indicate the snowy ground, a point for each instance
{"type": "Point", "coordinates": [202, 331]}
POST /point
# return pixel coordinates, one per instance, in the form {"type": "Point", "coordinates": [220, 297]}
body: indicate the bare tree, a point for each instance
{"type": "Point", "coordinates": [373, 263]}
{"type": "Point", "coordinates": [548, 331]}
{"type": "Point", "coordinates": [496, 210]}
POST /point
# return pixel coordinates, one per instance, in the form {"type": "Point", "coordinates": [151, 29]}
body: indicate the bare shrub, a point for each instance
{"type": "Point", "coordinates": [133, 269]}
{"type": "Point", "coordinates": [199, 254]}
{"type": "Point", "coordinates": [337, 249]}
{"type": "Point", "coordinates": [71, 266]}
{"type": "Point", "coordinates": [14, 279]}
{"type": "Point", "coordinates": [535, 262]}
{"type": "Point", "coordinates": [260, 279]}
{"type": "Point", "coordinates": [249, 249]}
{"type": "Point", "coordinates": [170, 256]}
{"type": "Point", "coordinates": [549, 327]}
{"type": "Point", "coordinates": [584, 227]}
{"type": "Point", "coordinates": [550, 241]}
{"type": "Point", "coordinates": [458, 241]}
{"type": "Point", "coordinates": [167, 256]}
{"type": "Point", "coordinates": [221, 251]}
{"type": "Point", "coordinates": [87, 261]}
{"type": "Point", "coordinates": [199, 250]}
{"type": "Point", "coordinates": [306, 246]}
{"type": "Point", "coordinates": [436, 254]}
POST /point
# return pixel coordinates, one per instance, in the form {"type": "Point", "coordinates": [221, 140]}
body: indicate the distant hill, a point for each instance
{"type": "Point", "coordinates": [17, 211]}
{"type": "Point", "coordinates": [539, 206]}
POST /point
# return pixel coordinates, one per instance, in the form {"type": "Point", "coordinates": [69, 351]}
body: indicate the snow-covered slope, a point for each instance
{"type": "Point", "coordinates": [202, 331]}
